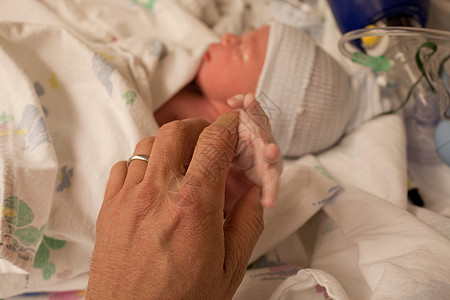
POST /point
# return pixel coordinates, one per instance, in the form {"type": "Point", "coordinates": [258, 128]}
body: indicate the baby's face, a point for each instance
{"type": "Point", "coordinates": [233, 66]}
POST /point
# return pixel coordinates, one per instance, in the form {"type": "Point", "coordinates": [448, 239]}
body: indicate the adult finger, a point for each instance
{"type": "Point", "coordinates": [116, 179]}
{"type": "Point", "coordinates": [213, 154]}
{"type": "Point", "coordinates": [242, 228]}
{"type": "Point", "coordinates": [173, 147]}
{"type": "Point", "coordinates": [137, 168]}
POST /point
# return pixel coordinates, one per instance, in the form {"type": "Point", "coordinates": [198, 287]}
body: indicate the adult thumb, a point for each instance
{"type": "Point", "coordinates": [243, 226]}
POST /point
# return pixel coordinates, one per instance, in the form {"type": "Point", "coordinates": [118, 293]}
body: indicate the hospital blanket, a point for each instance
{"type": "Point", "coordinates": [63, 125]}
{"type": "Point", "coordinates": [79, 83]}
{"type": "Point", "coordinates": [75, 100]}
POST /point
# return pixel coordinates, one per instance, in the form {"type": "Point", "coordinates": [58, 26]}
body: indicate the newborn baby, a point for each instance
{"type": "Point", "coordinates": [305, 93]}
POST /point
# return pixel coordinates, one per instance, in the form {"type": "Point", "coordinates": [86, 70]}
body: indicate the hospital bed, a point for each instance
{"type": "Point", "coordinates": [79, 81]}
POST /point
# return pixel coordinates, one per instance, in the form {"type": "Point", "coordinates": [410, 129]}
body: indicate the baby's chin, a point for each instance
{"type": "Point", "coordinates": [208, 90]}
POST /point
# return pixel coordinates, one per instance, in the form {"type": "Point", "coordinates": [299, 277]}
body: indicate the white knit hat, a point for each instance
{"type": "Point", "coordinates": [306, 94]}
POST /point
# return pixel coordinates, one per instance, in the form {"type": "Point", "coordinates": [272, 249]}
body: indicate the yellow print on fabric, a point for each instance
{"type": "Point", "coordinates": [53, 81]}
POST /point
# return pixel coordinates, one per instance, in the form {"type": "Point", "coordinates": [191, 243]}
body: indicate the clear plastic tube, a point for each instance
{"type": "Point", "coordinates": [413, 65]}
{"type": "Point", "coordinates": [398, 64]}
{"type": "Point", "coordinates": [390, 31]}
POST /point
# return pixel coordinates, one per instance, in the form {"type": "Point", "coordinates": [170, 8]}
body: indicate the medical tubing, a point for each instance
{"type": "Point", "coordinates": [400, 31]}
{"type": "Point", "coordinates": [419, 62]}
{"type": "Point", "coordinates": [389, 31]}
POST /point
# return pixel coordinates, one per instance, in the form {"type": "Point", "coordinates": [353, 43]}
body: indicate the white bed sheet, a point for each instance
{"type": "Point", "coordinates": [347, 233]}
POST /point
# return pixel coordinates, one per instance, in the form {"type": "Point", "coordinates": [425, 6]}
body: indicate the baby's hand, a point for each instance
{"type": "Point", "coordinates": [257, 154]}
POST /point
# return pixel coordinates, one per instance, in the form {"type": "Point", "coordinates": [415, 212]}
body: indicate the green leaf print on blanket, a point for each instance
{"type": "Point", "coordinates": [43, 254]}
{"type": "Point", "coordinates": [129, 96]}
{"type": "Point", "coordinates": [19, 216]}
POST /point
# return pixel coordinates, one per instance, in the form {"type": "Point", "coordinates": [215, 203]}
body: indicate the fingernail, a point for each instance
{"type": "Point", "coordinates": [268, 204]}
{"type": "Point", "coordinates": [237, 99]}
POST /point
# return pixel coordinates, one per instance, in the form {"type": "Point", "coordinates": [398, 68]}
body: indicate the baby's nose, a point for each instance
{"type": "Point", "coordinates": [229, 39]}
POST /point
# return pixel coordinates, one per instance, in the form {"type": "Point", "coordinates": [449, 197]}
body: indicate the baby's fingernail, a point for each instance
{"type": "Point", "coordinates": [267, 203]}
{"type": "Point", "coordinates": [235, 101]}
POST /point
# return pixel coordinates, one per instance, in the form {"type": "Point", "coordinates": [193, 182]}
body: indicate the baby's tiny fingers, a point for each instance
{"type": "Point", "coordinates": [269, 191]}
{"type": "Point", "coordinates": [271, 153]}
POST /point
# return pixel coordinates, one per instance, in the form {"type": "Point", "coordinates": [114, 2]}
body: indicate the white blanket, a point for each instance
{"type": "Point", "coordinates": [79, 82]}
{"type": "Point", "coordinates": [77, 95]}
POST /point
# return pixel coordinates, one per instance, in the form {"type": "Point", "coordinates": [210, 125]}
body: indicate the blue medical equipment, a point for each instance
{"type": "Point", "coordinates": [411, 63]}
{"type": "Point", "coordinates": [356, 14]}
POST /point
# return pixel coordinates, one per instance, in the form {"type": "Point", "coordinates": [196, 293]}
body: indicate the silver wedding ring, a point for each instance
{"type": "Point", "coordinates": [137, 157]}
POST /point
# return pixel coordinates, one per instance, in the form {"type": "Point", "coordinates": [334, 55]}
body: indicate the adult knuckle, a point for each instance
{"type": "Point", "coordinates": [219, 136]}
{"type": "Point", "coordinates": [193, 182]}
{"type": "Point", "coordinates": [214, 131]}
{"type": "Point", "coordinates": [198, 121]}
{"type": "Point", "coordinates": [186, 191]}
{"type": "Point", "coordinates": [118, 167]}
{"type": "Point", "coordinates": [147, 197]}
{"type": "Point", "coordinates": [173, 127]}
{"type": "Point", "coordinates": [146, 141]}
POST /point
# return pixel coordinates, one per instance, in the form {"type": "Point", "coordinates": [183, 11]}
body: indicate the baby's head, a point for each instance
{"type": "Point", "coordinates": [307, 95]}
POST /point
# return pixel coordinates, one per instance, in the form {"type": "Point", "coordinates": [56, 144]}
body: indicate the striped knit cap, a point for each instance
{"type": "Point", "coordinates": [306, 94]}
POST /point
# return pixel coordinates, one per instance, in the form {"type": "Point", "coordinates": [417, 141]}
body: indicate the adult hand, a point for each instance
{"type": "Point", "coordinates": [161, 232]}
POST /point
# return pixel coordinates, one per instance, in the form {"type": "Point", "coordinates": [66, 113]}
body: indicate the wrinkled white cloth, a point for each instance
{"type": "Point", "coordinates": [54, 106]}
{"type": "Point", "coordinates": [77, 89]}
{"type": "Point", "coordinates": [75, 77]}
